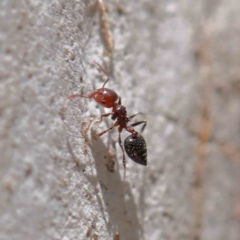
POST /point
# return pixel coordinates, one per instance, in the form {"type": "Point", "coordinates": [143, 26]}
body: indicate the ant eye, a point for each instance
{"type": "Point", "coordinates": [103, 101]}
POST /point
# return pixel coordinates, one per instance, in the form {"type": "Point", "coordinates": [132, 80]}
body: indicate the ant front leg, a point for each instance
{"type": "Point", "coordinates": [138, 123]}
{"type": "Point", "coordinates": [104, 115]}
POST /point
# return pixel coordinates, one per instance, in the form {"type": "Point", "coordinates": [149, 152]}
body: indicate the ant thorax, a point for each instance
{"type": "Point", "coordinates": [120, 113]}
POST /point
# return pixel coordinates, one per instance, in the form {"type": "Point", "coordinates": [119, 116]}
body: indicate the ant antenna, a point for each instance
{"type": "Point", "coordinates": [103, 70]}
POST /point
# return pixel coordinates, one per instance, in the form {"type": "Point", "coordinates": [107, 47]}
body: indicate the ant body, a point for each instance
{"type": "Point", "coordinates": [134, 144]}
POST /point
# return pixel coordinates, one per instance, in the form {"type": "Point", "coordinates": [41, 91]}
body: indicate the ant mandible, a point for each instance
{"type": "Point", "coordinates": [135, 145]}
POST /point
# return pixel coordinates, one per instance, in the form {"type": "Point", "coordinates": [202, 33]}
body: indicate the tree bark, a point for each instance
{"type": "Point", "coordinates": [176, 61]}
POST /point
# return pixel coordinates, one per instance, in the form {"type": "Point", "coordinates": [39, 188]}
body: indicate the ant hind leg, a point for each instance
{"type": "Point", "coordinates": [124, 157]}
{"type": "Point", "coordinates": [135, 114]}
{"type": "Point", "coordinates": [138, 123]}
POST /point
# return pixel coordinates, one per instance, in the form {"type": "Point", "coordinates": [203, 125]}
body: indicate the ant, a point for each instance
{"type": "Point", "coordinates": [135, 145]}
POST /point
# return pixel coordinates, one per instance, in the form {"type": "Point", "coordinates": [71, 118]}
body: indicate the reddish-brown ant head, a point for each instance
{"type": "Point", "coordinates": [105, 97]}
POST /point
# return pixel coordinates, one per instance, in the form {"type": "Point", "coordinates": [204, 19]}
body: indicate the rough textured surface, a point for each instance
{"type": "Point", "coordinates": [177, 61]}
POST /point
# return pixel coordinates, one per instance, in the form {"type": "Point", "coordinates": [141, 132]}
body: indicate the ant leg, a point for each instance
{"type": "Point", "coordinates": [104, 115]}
{"type": "Point", "coordinates": [119, 101]}
{"type": "Point", "coordinates": [124, 157]}
{"type": "Point", "coordinates": [135, 114]}
{"type": "Point", "coordinates": [100, 134]}
{"type": "Point", "coordinates": [84, 132]}
{"type": "Point", "coordinates": [103, 70]}
{"type": "Point", "coordinates": [138, 123]}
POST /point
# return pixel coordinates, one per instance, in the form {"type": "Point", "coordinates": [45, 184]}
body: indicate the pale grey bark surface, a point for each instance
{"type": "Point", "coordinates": [177, 61]}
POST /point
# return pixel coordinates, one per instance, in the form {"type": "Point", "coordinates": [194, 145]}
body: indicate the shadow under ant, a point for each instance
{"type": "Point", "coordinates": [116, 197]}
{"type": "Point", "coordinates": [122, 213]}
